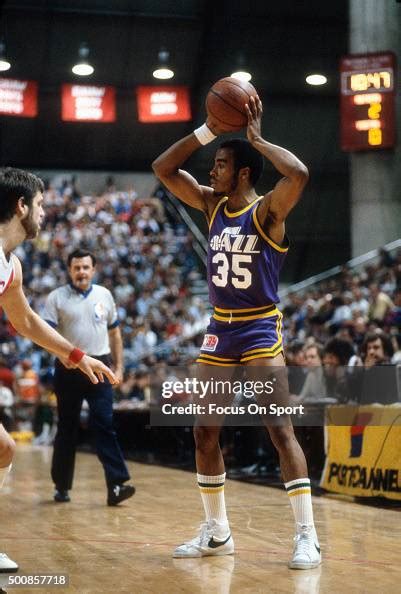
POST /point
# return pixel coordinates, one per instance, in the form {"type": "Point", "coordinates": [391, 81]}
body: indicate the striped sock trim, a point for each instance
{"type": "Point", "coordinates": [301, 485]}
{"type": "Point", "coordinates": [209, 481]}
{"type": "Point", "coordinates": [299, 492]}
{"type": "Point", "coordinates": [212, 486]}
{"type": "Point", "coordinates": [210, 490]}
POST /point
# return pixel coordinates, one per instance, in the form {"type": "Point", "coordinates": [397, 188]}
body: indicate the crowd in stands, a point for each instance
{"type": "Point", "coordinates": [145, 259]}
{"type": "Point", "coordinates": [148, 262]}
{"type": "Point", "coordinates": [351, 321]}
{"type": "Point", "coordinates": [349, 304]}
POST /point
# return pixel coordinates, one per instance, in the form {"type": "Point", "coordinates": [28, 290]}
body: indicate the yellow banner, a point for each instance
{"type": "Point", "coordinates": [364, 458]}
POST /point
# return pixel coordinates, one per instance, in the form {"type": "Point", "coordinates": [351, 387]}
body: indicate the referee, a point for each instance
{"type": "Point", "coordinates": [86, 313]}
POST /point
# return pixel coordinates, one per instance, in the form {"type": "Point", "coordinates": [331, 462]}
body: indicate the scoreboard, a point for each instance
{"type": "Point", "coordinates": [368, 102]}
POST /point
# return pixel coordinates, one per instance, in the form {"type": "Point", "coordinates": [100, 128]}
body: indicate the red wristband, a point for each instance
{"type": "Point", "coordinates": [75, 356]}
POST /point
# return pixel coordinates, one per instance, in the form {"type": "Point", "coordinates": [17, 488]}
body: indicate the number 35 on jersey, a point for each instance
{"type": "Point", "coordinates": [233, 258]}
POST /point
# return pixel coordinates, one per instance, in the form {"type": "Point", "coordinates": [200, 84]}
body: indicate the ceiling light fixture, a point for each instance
{"type": "Point", "coordinates": [82, 67]}
{"type": "Point", "coordinates": [163, 70]}
{"type": "Point", "coordinates": [242, 75]}
{"type": "Point", "coordinates": [316, 79]}
{"type": "Point", "coordinates": [241, 72]}
{"type": "Point", "coordinates": [5, 63]}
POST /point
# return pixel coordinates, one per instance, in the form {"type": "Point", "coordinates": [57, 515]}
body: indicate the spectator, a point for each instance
{"type": "Point", "coordinates": [342, 312]}
{"type": "Point", "coordinates": [314, 388]}
{"type": "Point", "coordinates": [27, 392]}
{"type": "Point", "coordinates": [396, 358]}
{"type": "Point", "coordinates": [359, 303]}
{"type": "Point", "coordinates": [6, 404]}
{"type": "Point", "coordinates": [144, 340]}
{"type": "Point", "coordinates": [380, 304]}
{"type": "Point", "coordinates": [376, 349]}
{"type": "Point", "coordinates": [395, 315]}
{"type": "Point", "coordinates": [7, 376]}
{"type": "Point", "coordinates": [378, 377]}
{"type": "Point", "coordinates": [336, 356]}
{"type": "Point", "coordinates": [295, 358]}
{"type": "Point", "coordinates": [385, 261]}
{"type": "Point", "coordinates": [27, 383]}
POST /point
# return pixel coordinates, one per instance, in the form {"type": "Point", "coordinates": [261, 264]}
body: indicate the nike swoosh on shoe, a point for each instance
{"type": "Point", "coordinates": [213, 544]}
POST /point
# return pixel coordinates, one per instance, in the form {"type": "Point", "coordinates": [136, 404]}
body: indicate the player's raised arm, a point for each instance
{"type": "Point", "coordinates": [181, 183]}
{"type": "Point", "coordinates": [282, 199]}
{"type": "Point", "coordinates": [29, 324]}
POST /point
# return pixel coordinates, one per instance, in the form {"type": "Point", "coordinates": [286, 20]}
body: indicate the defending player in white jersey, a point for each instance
{"type": "Point", "coordinates": [21, 215]}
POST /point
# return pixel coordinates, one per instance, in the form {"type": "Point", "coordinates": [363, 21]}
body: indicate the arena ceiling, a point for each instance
{"type": "Point", "coordinates": [280, 41]}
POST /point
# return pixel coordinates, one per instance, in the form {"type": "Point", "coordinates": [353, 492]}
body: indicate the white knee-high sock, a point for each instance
{"type": "Point", "coordinates": [3, 473]}
{"type": "Point", "coordinates": [299, 492]}
{"type": "Point", "coordinates": [212, 493]}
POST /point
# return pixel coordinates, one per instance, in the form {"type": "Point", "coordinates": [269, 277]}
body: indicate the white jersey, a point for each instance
{"type": "Point", "coordinates": [83, 317]}
{"type": "Point", "coordinates": [6, 271]}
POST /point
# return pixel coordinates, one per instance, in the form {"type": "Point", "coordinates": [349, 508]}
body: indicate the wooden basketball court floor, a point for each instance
{"type": "Point", "coordinates": [128, 548]}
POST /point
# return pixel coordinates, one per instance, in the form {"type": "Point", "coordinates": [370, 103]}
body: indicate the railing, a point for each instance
{"type": "Point", "coordinates": [200, 243]}
{"type": "Point", "coordinates": [353, 263]}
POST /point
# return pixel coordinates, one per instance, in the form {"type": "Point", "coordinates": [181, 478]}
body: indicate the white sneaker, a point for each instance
{"type": "Point", "coordinates": [6, 565]}
{"type": "Point", "coordinates": [306, 549]}
{"type": "Point", "coordinates": [208, 542]}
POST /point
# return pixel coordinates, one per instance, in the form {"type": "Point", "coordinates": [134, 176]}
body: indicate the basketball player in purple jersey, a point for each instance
{"type": "Point", "coordinates": [247, 246]}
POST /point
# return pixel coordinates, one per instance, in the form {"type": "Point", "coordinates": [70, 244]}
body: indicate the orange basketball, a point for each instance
{"type": "Point", "coordinates": [225, 103]}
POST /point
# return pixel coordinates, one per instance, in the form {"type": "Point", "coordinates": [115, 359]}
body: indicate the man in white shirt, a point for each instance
{"type": "Point", "coordinates": [86, 312]}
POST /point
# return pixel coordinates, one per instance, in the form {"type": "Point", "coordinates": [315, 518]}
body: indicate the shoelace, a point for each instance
{"type": "Point", "coordinates": [205, 533]}
{"type": "Point", "coordinates": [303, 543]}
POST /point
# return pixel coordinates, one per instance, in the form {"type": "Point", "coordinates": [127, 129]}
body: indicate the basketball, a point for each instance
{"type": "Point", "coordinates": [225, 103]}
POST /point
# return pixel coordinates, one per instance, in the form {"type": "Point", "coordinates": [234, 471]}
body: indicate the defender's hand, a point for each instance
{"type": "Point", "coordinates": [254, 110]}
{"type": "Point", "coordinates": [96, 370]}
{"type": "Point", "coordinates": [119, 373]}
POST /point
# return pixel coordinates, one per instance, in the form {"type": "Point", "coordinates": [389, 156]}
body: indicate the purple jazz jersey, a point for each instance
{"type": "Point", "coordinates": [243, 263]}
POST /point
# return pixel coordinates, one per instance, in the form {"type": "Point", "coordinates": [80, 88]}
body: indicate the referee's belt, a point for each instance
{"type": "Point", "coordinates": [106, 359]}
{"type": "Point", "coordinates": [242, 315]}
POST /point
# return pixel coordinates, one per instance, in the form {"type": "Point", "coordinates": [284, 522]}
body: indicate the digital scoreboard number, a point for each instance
{"type": "Point", "coordinates": [368, 102]}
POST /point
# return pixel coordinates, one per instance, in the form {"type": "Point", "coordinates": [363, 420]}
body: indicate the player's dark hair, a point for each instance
{"type": "Point", "coordinates": [384, 339]}
{"type": "Point", "coordinates": [81, 253]}
{"type": "Point", "coordinates": [245, 156]}
{"type": "Point", "coordinates": [16, 184]}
